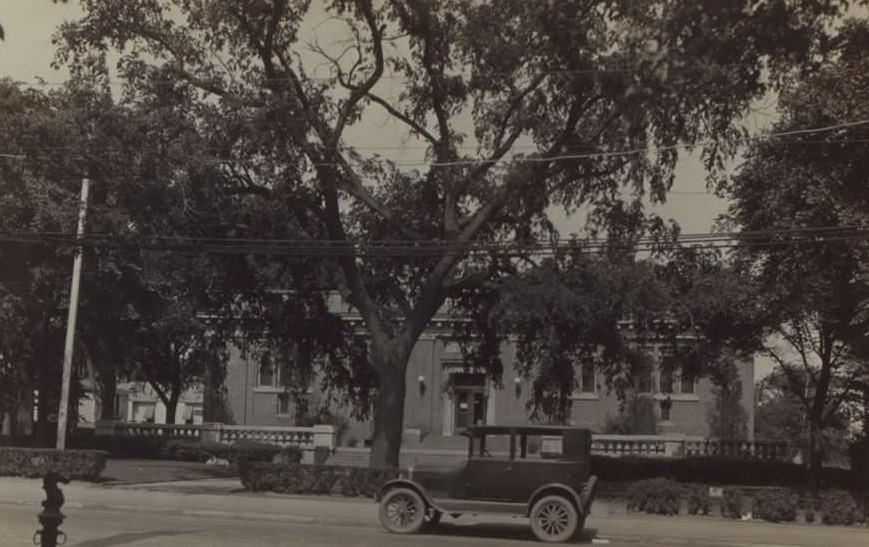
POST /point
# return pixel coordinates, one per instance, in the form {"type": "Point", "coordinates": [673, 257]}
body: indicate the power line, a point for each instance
{"type": "Point", "coordinates": [396, 248]}
{"type": "Point", "coordinates": [563, 157]}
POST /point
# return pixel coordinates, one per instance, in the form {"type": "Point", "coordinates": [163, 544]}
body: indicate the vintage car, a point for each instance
{"type": "Point", "coordinates": [539, 472]}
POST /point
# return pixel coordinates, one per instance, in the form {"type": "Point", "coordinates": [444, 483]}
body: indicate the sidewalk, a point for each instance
{"type": "Point", "coordinates": [225, 498]}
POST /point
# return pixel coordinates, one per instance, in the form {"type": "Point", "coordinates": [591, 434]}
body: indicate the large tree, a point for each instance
{"type": "Point", "coordinates": [498, 92]}
{"type": "Point", "coordinates": [815, 185]}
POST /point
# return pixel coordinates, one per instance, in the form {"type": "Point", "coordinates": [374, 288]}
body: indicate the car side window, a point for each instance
{"type": "Point", "coordinates": [490, 446]}
{"type": "Point", "coordinates": [540, 447]}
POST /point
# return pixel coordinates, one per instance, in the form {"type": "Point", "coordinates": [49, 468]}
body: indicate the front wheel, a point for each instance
{"type": "Point", "coordinates": [402, 511]}
{"type": "Point", "coordinates": [554, 519]}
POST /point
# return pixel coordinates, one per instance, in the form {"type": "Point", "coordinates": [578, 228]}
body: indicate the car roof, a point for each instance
{"type": "Point", "coordinates": [473, 430]}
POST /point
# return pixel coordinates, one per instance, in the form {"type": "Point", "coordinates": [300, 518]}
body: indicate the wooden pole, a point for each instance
{"type": "Point", "coordinates": [71, 319]}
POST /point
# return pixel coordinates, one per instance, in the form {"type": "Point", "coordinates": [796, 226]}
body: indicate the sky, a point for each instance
{"type": "Point", "coordinates": [27, 53]}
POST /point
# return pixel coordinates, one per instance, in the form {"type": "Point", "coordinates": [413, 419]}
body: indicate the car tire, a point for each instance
{"type": "Point", "coordinates": [554, 519]}
{"type": "Point", "coordinates": [402, 511]}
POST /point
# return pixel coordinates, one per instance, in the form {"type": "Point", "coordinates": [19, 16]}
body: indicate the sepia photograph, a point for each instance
{"type": "Point", "coordinates": [382, 273]}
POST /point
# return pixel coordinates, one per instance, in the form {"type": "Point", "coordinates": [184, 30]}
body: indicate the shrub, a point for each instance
{"type": "Point", "coordinates": [809, 515]}
{"type": "Point", "coordinates": [722, 471]}
{"type": "Point", "coordinates": [731, 503]}
{"type": "Point", "coordinates": [288, 455]}
{"type": "Point", "coordinates": [777, 505]}
{"type": "Point", "coordinates": [656, 496]}
{"type": "Point", "coordinates": [313, 479]}
{"type": "Point", "coordinates": [253, 451]}
{"type": "Point", "coordinates": [839, 507]}
{"type": "Point", "coordinates": [698, 499]}
{"type": "Point", "coordinates": [36, 462]}
{"type": "Point", "coordinates": [122, 447]}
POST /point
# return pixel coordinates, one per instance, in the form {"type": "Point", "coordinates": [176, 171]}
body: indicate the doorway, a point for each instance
{"type": "Point", "coordinates": [470, 400]}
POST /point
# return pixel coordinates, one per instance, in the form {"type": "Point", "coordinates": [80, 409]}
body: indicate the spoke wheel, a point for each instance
{"type": "Point", "coordinates": [402, 511]}
{"type": "Point", "coordinates": [554, 519]}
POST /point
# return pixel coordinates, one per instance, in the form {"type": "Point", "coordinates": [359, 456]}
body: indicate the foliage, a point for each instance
{"type": "Point", "coordinates": [775, 506]}
{"type": "Point", "coordinates": [314, 479]}
{"type": "Point", "coordinates": [839, 507]}
{"type": "Point", "coordinates": [36, 462]}
{"type": "Point", "coordinates": [727, 418]}
{"type": "Point", "coordinates": [655, 496]}
{"type": "Point", "coordinates": [812, 288]}
{"type": "Point", "coordinates": [698, 499]}
{"type": "Point", "coordinates": [731, 503]}
{"type": "Point", "coordinates": [529, 86]}
{"type": "Point", "coordinates": [579, 307]}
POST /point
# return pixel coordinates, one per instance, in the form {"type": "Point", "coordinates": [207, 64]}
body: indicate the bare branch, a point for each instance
{"type": "Point", "coordinates": [404, 118]}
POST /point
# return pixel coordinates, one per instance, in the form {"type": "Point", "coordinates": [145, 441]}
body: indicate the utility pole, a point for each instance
{"type": "Point", "coordinates": [71, 319]}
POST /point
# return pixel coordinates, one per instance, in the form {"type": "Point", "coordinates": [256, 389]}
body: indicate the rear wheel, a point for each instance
{"type": "Point", "coordinates": [402, 511]}
{"type": "Point", "coordinates": [554, 519]}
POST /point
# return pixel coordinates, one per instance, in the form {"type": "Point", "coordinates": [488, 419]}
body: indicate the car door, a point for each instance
{"type": "Point", "coordinates": [489, 470]}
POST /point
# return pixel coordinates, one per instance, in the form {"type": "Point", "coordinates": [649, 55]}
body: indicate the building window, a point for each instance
{"type": "Point", "coordinates": [666, 381]}
{"type": "Point", "coordinates": [675, 382]}
{"type": "Point", "coordinates": [284, 402]}
{"type": "Point", "coordinates": [587, 376]}
{"type": "Point", "coordinates": [687, 384]}
{"type": "Point", "coordinates": [267, 373]}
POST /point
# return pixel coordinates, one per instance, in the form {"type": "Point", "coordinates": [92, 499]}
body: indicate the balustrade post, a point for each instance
{"type": "Point", "coordinates": [674, 446]}
{"type": "Point", "coordinates": [324, 436]}
{"type": "Point", "coordinates": [211, 432]}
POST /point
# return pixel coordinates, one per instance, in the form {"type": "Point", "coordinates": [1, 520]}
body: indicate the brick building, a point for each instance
{"type": "Point", "coordinates": [444, 393]}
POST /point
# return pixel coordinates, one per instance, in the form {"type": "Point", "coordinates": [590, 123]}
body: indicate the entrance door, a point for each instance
{"type": "Point", "coordinates": [470, 406]}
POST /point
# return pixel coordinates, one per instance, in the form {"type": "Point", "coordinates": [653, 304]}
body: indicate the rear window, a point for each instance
{"type": "Point", "coordinates": [539, 447]}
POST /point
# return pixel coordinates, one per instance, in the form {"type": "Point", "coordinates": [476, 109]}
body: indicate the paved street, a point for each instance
{"type": "Point", "coordinates": [97, 528]}
{"type": "Point", "coordinates": [217, 512]}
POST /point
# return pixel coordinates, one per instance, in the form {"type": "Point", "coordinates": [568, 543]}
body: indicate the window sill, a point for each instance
{"type": "Point", "coordinates": [686, 397]}
{"type": "Point", "coordinates": [585, 397]}
{"type": "Point", "coordinates": [278, 390]}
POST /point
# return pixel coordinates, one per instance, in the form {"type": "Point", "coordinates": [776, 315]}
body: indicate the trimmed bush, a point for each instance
{"type": "Point", "coordinates": [37, 462]}
{"type": "Point", "coordinates": [839, 507]}
{"type": "Point", "coordinates": [719, 471]}
{"type": "Point", "coordinates": [809, 515]}
{"type": "Point", "coordinates": [699, 501]}
{"type": "Point", "coordinates": [775, 506]}
{"type": "Point", "coordinates": [313, 479]}
{"type": "Point", "coordinates": [731, 503]}
{"type": "Point", "coordinates": [655, 496]}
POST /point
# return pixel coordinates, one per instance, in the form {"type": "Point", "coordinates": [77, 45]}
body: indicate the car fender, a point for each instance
{"type": "Point", "coordinates": [559, 488]}
{"type": "Point", "coordinates": [406, 483]}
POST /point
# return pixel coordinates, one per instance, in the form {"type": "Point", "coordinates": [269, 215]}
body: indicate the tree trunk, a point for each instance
{"type": "Point", "coordinates": [815, 448]}
{"type": "Point", "coordinates": [107, 386]}
{"type": "Point", "coordinates": [391, 363]}
{"type": "Point", "coordinates": [171, 407]}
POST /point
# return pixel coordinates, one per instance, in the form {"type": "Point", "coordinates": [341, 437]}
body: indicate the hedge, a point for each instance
{"type": "Point", "coordinates": [718, 471]}
{"type": "Point", "coordinates": [839, 507]}
{"type": "Point", "coordinates": [313, 479]}
{"type": "Point", "coordinates": [655, 496]}
{"type": "Point", "coordinates": [777, 505]}
{"type": "Point", "coordinates": [37, 462]}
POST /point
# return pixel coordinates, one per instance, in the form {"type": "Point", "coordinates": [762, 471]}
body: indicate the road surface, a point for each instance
{"type": "Point", "coordinates": [100, 528]}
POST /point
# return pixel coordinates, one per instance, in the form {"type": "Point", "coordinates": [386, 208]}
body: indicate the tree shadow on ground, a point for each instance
{"type": "Point", "coordinates": [129, 537]}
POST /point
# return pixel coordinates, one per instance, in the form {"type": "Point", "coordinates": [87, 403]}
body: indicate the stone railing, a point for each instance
{"type": "Point", "coordinates": [736, 448]}
{"type": "Point", "coordinates": [304, 437]}
{"type": "Point", "coordinates": [680, 446]}
{"type": "Point", "coordinates": [631, 445]}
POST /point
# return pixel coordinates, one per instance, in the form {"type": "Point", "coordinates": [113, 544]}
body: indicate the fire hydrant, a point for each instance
{"type": "Point", "coordinates": [50, 518]}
